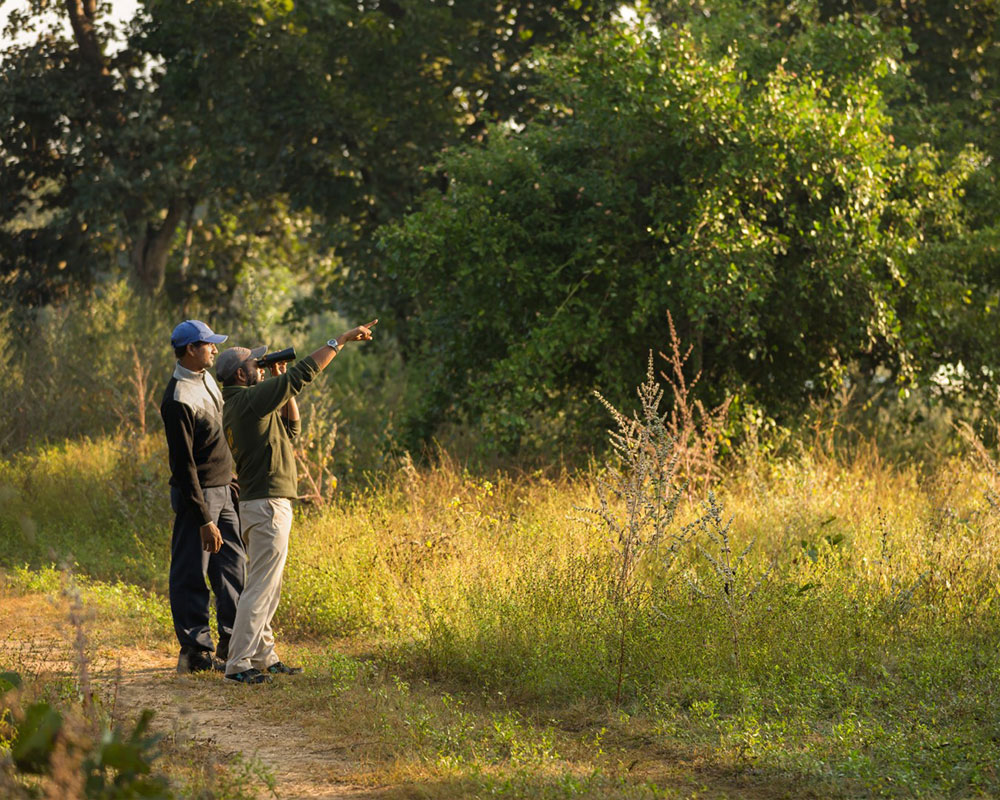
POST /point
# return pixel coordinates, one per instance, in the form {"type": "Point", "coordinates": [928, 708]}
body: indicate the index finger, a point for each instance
{"type": "Point", "coordinates": [371, 324]}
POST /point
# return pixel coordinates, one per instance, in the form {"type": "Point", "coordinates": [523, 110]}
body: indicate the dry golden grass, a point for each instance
{"type": "Point", "coordinates": [457, 628]}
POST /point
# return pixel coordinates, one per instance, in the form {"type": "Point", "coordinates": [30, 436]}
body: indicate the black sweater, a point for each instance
{"type": "Point", "coordinates": [199, 455]}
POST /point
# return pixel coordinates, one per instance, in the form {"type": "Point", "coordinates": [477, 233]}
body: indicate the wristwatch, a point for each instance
{"type": "Point", "coordinates": [334, 344]}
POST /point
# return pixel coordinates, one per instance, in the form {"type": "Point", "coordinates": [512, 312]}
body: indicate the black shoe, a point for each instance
{"type": "Point", "coordinates": [249, 676]}
{"type": "Point", "coordinates": [280, 668]}
{"type": "Point", "coordinates": [194, 661]}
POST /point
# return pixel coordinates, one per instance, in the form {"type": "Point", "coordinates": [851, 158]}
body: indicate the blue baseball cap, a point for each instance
{"type": "Point", "coordinates": [194, 330]}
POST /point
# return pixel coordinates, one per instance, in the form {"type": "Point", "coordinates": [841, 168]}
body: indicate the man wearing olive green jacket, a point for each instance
{"type": "Point", "coordinates": [260, 418]}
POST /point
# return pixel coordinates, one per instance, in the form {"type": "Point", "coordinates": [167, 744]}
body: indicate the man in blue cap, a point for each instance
{"type": "Point", "coordinates": [206, 537]}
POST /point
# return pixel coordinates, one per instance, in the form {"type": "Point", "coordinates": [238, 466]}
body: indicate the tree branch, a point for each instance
{"type": "Point", "coordinates": [82, 15]}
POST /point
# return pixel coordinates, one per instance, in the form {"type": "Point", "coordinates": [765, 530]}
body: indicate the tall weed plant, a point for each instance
{"type": "Point", "coordinates": [638, 501]}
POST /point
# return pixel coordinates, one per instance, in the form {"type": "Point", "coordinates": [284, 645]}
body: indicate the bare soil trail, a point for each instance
{"type": "Point", "coordinates": [201, 713]}
{"type": "Point", "coordinates": [204, 710]}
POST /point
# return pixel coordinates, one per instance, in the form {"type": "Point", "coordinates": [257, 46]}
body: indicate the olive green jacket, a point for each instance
{"type": "Point", "coordinates": [260, 438]}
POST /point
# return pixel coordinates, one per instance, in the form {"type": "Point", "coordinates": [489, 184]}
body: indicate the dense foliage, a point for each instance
{"type": "Point", "coordinates": [773, 215]}
{"type": "Point", "coordinates": [247, 116]}
{"type": "Point", "coordinates": [810, 189]}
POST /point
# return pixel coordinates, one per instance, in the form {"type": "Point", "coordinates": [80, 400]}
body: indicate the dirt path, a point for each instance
{"type": "Point", "coordinates": [200, 712]}
{"type": "Point", "coordinates": [203, 710]}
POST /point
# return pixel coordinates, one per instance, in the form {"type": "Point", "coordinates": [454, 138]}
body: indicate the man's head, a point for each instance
{"type": "Point", "coordinates": [237, 366]}
{"type": "Point", "coordinates": [194, 344]}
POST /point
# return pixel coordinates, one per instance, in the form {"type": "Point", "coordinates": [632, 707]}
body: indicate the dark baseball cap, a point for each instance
{"type": "Point", "coordinates": [194, 330]}
{"type": "Point", "coordinates": [231, 359]}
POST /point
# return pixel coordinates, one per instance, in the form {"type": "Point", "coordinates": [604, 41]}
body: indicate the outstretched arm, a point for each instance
{"type": "Point", "coordinates": [326, 353]}
{"type": "Point", "coordinates": [271, 395]}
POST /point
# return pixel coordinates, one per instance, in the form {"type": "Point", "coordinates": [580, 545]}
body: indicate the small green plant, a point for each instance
{"type": "Point", "coordinates": [80, 756]}
{"type": "Point", "coordinates": [728, 588]}
{"type": "Point", "coordinates": [66, 738]}
{"type": "Point", "coordinates": [114, 764]}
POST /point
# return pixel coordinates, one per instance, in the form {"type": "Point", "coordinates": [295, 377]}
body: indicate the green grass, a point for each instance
{"type": "Point", "coordinates": [865, 665]}
{"type": "Point", "coordinates": [138, 614]}
{"type": "Point", "coordinates": [100, 507]}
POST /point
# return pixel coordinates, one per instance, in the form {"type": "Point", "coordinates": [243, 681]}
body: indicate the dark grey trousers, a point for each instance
{"type": "Point", "coordinates": [189, 564]}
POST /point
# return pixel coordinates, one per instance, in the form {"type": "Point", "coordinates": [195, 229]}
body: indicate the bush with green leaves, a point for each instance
{"type": "Point", "coordinates": [111, 763]}
{"type": "Point", "coordinates": [769, 210]}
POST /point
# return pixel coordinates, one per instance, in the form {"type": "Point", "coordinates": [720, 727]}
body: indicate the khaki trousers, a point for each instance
{"type": "Point", "coordinates": [266, 524]}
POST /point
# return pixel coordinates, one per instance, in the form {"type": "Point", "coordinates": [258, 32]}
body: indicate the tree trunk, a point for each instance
{"type": "Point", "coordinates": [150, 243]}
{"type": "Point", "coordinates": [151, 247]}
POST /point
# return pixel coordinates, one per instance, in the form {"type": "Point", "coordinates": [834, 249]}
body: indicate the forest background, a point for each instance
{"type": "Point", "coordinates": [789, 207]}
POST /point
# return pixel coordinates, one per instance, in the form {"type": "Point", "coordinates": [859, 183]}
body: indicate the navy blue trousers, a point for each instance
{"type": "Point", "coordinates": [189, 564]}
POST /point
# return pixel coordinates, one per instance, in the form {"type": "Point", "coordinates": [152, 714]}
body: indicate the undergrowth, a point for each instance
{"type": "Point", "coordinates": [62, 732]}
{"type": "Point", "coordinates": [864, 664]}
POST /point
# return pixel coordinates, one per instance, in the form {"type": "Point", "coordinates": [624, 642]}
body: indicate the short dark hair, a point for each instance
{"type": "Point", "coordinates": [181, 351]}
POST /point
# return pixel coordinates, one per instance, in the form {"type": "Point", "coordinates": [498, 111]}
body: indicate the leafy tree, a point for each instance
{"type": "Point", "coordinates": [322, 107]}
{"type": "Point", "coordinates": [950, 99]}
{"type": "Point", "coordinates": [68, 185]}
{"type": "Point", "coordinates": [954, 64]}
{"type": "Point", "coordinates": [950, 94]}
{"type": "Point", "coordinates": [771, 213]}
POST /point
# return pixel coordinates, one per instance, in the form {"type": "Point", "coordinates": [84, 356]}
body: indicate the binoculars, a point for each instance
{"type": "Point", "coordinates": [278, 357]}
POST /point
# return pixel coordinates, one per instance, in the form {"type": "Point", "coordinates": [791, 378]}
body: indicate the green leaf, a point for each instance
{"type": "Point", "coordinates": [8, 681]}
{"type": "Point", "coordinates": [124, 757]}
{"type": "Point", "coordinates": [35, 739]}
